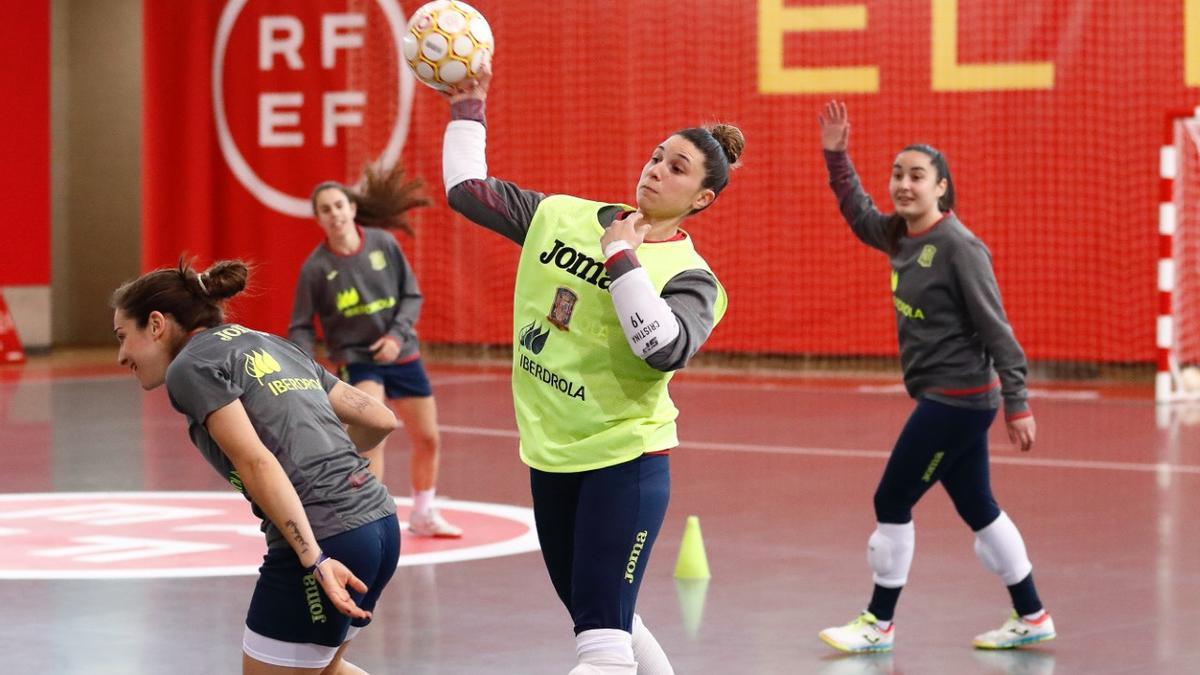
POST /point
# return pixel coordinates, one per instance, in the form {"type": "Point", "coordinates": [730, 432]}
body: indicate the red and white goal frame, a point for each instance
{"type": "Point", "coordinates": [1178, 321]}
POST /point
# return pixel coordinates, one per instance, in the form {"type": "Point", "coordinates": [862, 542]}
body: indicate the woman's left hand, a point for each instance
{"type": "Point", "coordinates": [334, 577]}
{"type": "Point", "coordinates": [386, 349]}
{"type": "Point", "coordinates": [1021, 432]}
{"type": "Point", "coordinates": [631, 229]}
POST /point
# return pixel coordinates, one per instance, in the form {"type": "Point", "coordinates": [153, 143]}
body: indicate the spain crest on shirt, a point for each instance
{"type": "Point", "coordinates": [563, 307]}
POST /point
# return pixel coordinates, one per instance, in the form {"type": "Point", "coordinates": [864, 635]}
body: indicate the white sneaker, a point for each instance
{"type": "Point", "coordinates": [1017, 632]}
{"type": "Point", "coordinates": [863, 634]}
{"type": "Point", "coordinates": [432, 524]}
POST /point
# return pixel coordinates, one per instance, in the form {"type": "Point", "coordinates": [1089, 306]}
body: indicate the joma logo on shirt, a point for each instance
{"type": "Point", "coordinates": [227, 334]}
{"type": "Point", "coordinates": [583, 266]}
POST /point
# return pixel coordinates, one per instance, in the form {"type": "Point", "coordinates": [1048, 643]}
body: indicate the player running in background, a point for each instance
{"type": "Point", "coordinates": [362, 289]}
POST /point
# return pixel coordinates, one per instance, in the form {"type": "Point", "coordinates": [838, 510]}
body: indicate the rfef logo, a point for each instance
{"type": "Point", "coordinates": [118, 535]}
{"type": "Point", "coordinates": [307, 91]}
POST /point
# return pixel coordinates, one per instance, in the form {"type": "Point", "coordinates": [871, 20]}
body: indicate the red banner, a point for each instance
{"type": "Point", "coordinates": [1050, 112]}
{"type": "Point", "coordinates": [25, 155]}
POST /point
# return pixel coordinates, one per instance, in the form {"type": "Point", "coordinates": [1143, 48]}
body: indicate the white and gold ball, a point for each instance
{"type": "Point", "coordinates": [447, 43]}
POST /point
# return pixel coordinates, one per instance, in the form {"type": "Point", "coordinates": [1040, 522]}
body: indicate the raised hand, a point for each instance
{"type": "Point", "coordinates": [835, 127]}
{"type": "Point", "coordinates": [476, 88]}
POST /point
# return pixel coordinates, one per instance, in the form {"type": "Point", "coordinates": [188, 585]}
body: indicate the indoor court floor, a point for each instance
{"type": "Point", "coordinates": [779, 470]}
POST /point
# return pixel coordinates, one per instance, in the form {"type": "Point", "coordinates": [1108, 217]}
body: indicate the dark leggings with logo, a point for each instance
{"type": "Point", "coordinates": [943, 444]}
{"type": "Point", "coordinates": [596, 529]}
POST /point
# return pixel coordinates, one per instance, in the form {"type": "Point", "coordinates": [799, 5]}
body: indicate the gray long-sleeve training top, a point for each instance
{"type": "Point", "coordinates": [359, 298]}
{"type": "Point", "coordinates": [950, 322]}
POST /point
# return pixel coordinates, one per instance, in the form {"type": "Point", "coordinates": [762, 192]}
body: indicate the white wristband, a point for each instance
{"type": "Point", "coordinates": [464, 152]}
{"type": "Point", "coordinates": [647, 319]}
{"type": "Point", "coordinates": [614, 247]}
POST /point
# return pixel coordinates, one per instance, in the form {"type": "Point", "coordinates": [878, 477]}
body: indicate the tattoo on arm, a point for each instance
{"type": "Point", "coordinates": [356, 399]}
{"type": "Point", "coordinates": [294, 531]}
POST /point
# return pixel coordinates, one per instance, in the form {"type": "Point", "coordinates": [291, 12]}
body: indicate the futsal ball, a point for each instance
{"type": "Point", "coordinates": [447, 43]}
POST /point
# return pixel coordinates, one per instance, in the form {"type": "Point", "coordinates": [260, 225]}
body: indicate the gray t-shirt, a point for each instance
{"type": "Point", "coordinates": [285, 394]}
{"type": "Point", "coordinates": [359, 298]}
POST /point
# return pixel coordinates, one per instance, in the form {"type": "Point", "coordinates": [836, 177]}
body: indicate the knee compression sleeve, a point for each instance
{"type": "Point", "coordinates": [890, 553]}
{"type": "Point", "coordinates": [1002, 551]}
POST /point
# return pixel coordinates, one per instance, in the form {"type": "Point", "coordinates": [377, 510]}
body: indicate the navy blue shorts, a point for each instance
{"type": "Point", "coordinates": [288, 603]}
{"type": "Point", "coordinates": [596, 529]}
{"type": "Point", "coordinates": [399, 380]}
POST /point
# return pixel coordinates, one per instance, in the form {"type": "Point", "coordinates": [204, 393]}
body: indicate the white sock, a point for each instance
{"type": "Point", "coordinates": [883, 625]}
{"type": "Point", "coordinates": [604, 650]}
{"type": "Point", "coordinates": [1036, 615]}
{"type": "Point", "coordinates": [650, 657]}
{"type": "Point", "coordinates": [423, 500]}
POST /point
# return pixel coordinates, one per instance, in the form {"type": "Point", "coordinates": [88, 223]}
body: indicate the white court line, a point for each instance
{"type": "Point", "coordinates": [1147, 467]}
{"type": "Point", "coordinates": [1061, 394]}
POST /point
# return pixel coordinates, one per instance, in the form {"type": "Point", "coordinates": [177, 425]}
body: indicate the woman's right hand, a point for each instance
{"type": "Point", "coordinates": [476, 88]}
{"type": "Point", "coordinates": [835, 127]}
{"type": "Point", "coordinates": [334, 577]}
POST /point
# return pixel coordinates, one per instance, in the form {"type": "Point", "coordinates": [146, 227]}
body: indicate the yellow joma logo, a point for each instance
{"type": "Point", "coordinates": [347, 298]}
{"type": "Point", "coordinates": [260, 364]}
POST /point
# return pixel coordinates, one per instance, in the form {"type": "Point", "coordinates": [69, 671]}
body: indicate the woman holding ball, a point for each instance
{"type": "Point", "coordinates": [610, 300]}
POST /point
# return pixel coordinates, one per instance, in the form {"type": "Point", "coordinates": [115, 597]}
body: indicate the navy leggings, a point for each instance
{"type": "Point", "coordinates": [940, 443]}
{"type": "Point", "coordinates": [596, 529]}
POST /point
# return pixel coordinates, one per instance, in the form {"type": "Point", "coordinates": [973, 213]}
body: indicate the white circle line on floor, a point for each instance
{"type": "Point", "coordinates": [523, 543]}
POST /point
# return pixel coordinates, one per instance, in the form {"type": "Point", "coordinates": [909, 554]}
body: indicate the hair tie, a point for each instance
{"type": "Point", "coordinates": [200, 280]}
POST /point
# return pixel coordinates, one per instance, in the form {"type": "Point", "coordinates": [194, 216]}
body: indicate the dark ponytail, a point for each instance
{"type": "Point", "coordinates": [385, 198]}
{"type": "Point", "coordinates": [193, 299]}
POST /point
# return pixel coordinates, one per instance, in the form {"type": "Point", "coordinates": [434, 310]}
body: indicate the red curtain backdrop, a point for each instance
{"type": "Point", "coordinates": [25, 151]}
{"type": "Point", "coordinates": [1051, 113]}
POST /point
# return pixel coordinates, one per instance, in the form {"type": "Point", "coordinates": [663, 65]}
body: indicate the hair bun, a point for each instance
{"type": "Point", "coordinates": [225, 278]}
{"type": "Point", "coordinates": [731, 140]}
